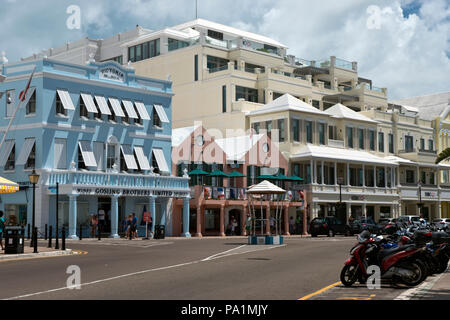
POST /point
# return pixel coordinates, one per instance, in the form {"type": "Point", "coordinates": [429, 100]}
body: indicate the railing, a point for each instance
{"type": "Point", "coordinates": [216, 42]}
{"type": "Point", "coordinates": [428, 151]}
{"type": "Point", "coordinates": [288, 74]}
{"type": "Point", "coordinates": [116, 180]}
{"type": "Point", "coordinates": [227, 193]}
{"type": "Point", "coordinates": [377, 89]}
{"type": "Point", "coordinates": [336, 143]}
{"type": "Point", "coordinates": [344, 64]}
{"type": "Point", "coordinates": [222, 68]}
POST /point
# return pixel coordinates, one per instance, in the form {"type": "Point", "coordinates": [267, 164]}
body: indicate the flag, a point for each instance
{"type": "Point", "coordinates": [23, 93]}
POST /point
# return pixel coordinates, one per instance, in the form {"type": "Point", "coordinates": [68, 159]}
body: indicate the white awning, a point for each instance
{"type": "Point", "coordinates": [29, 94]}
{"type": "Point", "coordinates": [129, 157]}
{"type": "Point", "coordinates": [142, 111]}
{"type": "Point", "coordinates": [142, 159]}
{"type": "Point", "coordinates": [87, 153]}
{"type": "Point", "coordinates": [66, 100]}
{"type": "Point", "coordinates": [130, 109]}
{"type": "Point", "coordinates": [161, 113]}
{"type": "Point", "coordinates": [6, 151]}
{"type": "Point", "coordinates": [89, 103]}
{"type": "Point", "coordinates": [116, 107]}
{"type": "Point", "coordinates": [161, 160]}
{"type": "Point", "coordinates": [101, 102]}
{"type": "Point", "coordinates": [25, 152]}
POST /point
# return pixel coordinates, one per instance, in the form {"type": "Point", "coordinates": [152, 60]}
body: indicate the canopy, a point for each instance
{"type": "Point", "coordinates": [265, 187]}
{"type": "Point", "coordinates": [295, 178]}
{"type": "Point", "coordinates": [7, 186]}
{"type": "Point", "coordinates": [236, 174]}
{"type": "Point", "coordinates": [281, 177]}
{"type": "Point", "coordinates": [267, 177]}
{"type": "Point", "coordinates": [218, 173]}
{"type": "Point", "coordinates": [198, 172]}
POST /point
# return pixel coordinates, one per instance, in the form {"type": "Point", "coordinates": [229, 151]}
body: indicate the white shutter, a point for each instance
{"type": "Point", "coordinates": [6, 151]}
{"type": "Point", "coordinates": [89, 103]}
{"type": "Point", "coordinates": [129, 157]}
{"type": "Point", "coordinates": [66, 100]}
{"type": "Point", "coordinates": [142, 159]}
{"type": "Point", "coordinates": [116, 107]}
{"type": "Point", "coordinates": [99, 154]}
{"type": "Point", "coordinates": [88, 155]}
{"type": "Point", "coordinates": [161, 160]}
{"type": "Point", "coordinates": [103, 105]}
{"type": "Point", "coordinates": [60, 154]}
{"type": "Point", "coordinates": [25, 152]}
{"type": "Point", "coordinates": [161, 113]}
{"type": "Point", "coordinates": [142, 111]}
{"type": "Point", "coordinates": [130, 109]}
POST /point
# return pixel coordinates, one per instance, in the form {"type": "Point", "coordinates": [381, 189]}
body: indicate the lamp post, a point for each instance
{"type": "Point", "coordinates": [34, 178]}
{"type": "Point", "coordinates": [339, 208]}
{"type": "Point", "coordinates": [420, 204]}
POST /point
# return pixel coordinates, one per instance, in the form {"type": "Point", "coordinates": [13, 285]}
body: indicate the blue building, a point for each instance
{"type": "Point", "coordinates": [100, 131]}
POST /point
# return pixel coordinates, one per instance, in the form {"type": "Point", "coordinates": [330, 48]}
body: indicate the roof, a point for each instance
{"type": "Point", "coordinates": [229, 30]}
{"type": "Point", "coordinates": [180, 134]}
{"type": "Point", "coordinates": [429, 106]}
{"type": "Point", "coordinates": [265, 187]}
{"type": "Point", "coordinates": [237, 147]}
{"type": "Point", "coordinates": [341, 111]}
{"type": "Point", "coordinates": [348, 155]}
{"type": "Point", "coordinates": [287, 103]}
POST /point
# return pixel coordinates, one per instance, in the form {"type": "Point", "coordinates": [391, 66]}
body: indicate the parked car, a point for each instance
{"type": "Point", "coordinates": [407, 221]}
{"type": "Point", "coordinates": [384, 223]}
{"type": "Point", "coordinates": [329, 226]}
{"type": "Point", "coordinates": [358, 225]}
{"type": "Point", "coordinates": [442, 223]}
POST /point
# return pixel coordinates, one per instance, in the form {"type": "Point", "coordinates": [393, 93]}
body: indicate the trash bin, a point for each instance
{"type": "Point", "coordinates": [14, 240]}
{"type": "Point", "coordinates": [160, 232]}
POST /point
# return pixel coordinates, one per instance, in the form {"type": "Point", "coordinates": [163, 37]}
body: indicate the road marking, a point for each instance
{"type": "Point", "coordinates": [79, 252]}
{"type": "Point", "coordinates": [357, 297]}
{"type": "Point", "coordinates": [320, 291]}
{"type": "Point", "coordinates": [215, 256]}
{"type": "Point", "coordinates": [420, 290]}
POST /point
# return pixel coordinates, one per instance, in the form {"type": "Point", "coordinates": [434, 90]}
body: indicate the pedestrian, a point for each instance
{"type": "Point", "coordinates": [248, 224]}
{"type": "Point", "coordinates": [93, 223]}
{"type": "Point", "coordinates": [150, 227]}
{"type": "Point", "coordinates": [101, 219]}
{"type": "Point", "coordinates": [299, 224]}
{"type": "Point", "coordinates": [233, 225]}
{"type": "Point", "coordinates": [134, 225]}
{"type": "Point", "coordinates": [272, 224]}
{"type": "Point", "coordinates": [291, 225]}
{"type": "Point", "coordinates": [129, 226]}
{"type": "Point", "coordinates": [2, 227]}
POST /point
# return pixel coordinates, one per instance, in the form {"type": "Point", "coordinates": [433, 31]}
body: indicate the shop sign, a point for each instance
{"type": "Point", "coordinates": [131, 192]}
{"type": "Point", "coordinates": [431, 194]}
{"type": "Point", "coordinates": [111, 73]}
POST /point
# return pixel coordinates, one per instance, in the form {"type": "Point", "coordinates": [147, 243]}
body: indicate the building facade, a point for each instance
{"type": "Point", "coordinates": [100, 132]}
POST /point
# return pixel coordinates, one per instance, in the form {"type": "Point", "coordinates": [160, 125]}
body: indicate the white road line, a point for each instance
{"type": "Point", "coordinates": [420, 290]}
{"type": "Point", "coordinates": [215, 256]}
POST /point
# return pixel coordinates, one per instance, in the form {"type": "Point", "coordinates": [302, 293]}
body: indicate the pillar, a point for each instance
{"type": "Point", "coordinates": [244, 221]}
{"type": "Point", "coordinates": [348, 174]}
{"type": "Point", "coordinates": [322, 178]}
{"type": "Point", "coordinates": [114, 217]}
{"type": "Point", "coordinates": [199, 221]}
{"type": "Point", "coordinates": [286, 221]}
{"type": "Point", "coordinates": [186, 218]}
{"type": "Point", "coordinates": [222, 220]}
{"type": "Point", "coordinates": [72, 216]}
{"type": "Point", "coordinates": [152, 208]}
{"type": "Point", "coordinates": [375, 176]}
{"type": "Point", "coordinates": [335, 174]}
{"type": "Point", "coordinates": [267, 220]}
{"type": "Point", "coordinates": [364, 175]}
{"type": "Point", "coordinates": [385, 176]}
{"type": "Point", "coordinates": [163, 213]}
{"type": "Point", "coordinates": [364, 211]}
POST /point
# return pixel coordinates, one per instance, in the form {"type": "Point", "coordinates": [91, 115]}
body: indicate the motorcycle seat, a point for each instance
{"type": "Point", "coordinates": [387, 252]}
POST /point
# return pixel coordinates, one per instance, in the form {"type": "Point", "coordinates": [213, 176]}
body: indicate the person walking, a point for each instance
{"type": "Point", "coordinates": [101, 219]}
{"type": "Point", "coordinates": [129, 226]}
{"type": "Point", "coordinates": [93, 223]}
{"type": "Point", "coordinates": [2, 227]}
{"type": "Point", "coordinates": [134, 225]}
{"type": "Point", "coordinates": [291, 225]}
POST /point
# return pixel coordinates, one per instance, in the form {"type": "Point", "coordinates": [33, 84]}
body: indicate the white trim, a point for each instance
{"type": "Point", "coordinates": [6, 151]}
{"type": "Point", "coordinates": [161, 113]}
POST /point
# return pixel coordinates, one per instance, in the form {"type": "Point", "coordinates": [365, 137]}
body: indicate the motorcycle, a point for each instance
{"type": "Point", "coordinates": [398, 264]}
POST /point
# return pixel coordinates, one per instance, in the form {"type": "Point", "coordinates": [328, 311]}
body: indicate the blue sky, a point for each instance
{"type": "Point", "coordinates": [403, 45]}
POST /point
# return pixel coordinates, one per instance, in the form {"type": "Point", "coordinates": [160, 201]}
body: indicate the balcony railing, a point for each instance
{"type": "Point", "coordinates": [222, 68]}
{"type": "Point", "coordinates": [115, 180]}
{"type": "Point", "coordinates": [344, 64]}
{"type": "Point", "coordinates": [227, 193]}
{"type": "Point", "coordinates": [336, 143]}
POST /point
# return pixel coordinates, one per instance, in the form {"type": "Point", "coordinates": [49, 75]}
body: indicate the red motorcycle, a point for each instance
{"type": "Point", "coordinates": [399, 264]}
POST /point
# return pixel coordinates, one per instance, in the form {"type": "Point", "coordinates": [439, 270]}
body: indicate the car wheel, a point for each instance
{"type": "Point", "coordinates": [330, 233]}
{"type": "Point", "coordinates": [348, 233]}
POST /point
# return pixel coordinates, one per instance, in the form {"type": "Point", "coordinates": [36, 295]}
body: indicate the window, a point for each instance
{"type": "Point", "coordinates": [422, 144]}
{"type": "Point", "coordinates": [256, 127]}
{"type": "Point", "coordinates": [215, 34]}
{"type": "Point", "coordinates": [361, 138]}
{"type": "Point", "coordinates": [269, 126]}
{"type": "Point", "coordinates": [31, 106]}
{"type": "Point", "coordinates": [309, 137]}
{"type": "Point", "coordinates": [213, 63]}
{"type": "Point", "coordinates": [112, 116]}
{"type": "Point", "coordinates": [372, 140]}
{"type": "Point", "coordinates": [11, 162]}
{"type": "Point", "coordinates": [196, 67]}
{"type": "Point", "coordinates": [410, 176]}
{"type": "Point", "coordinates": [430, 145]}
{"type": "Point", "coordinates": [10, 103]}
{"type": "Point", "coordinates": [156, 120]}
{"type": "Point", "coordinates": [321, 133]}
{"type": "Point", "coordinates": [126, 118]}
{"type": "Point", "coordinates": [349, 137]}
{"type": "Point", "coordinates": [83, 110]}
{"type": "Point", "coordinates": [224, 99]}
{"type": "Point", "coordinates": [144, 51]}
{"type": "Point", "coordinates": [316, 104]}
{"type": "Point", "coordinates": [111, 156]}
{"type": "Point", "coordinates": [60, 110]}
{"type": "Point", "coordinates": [248, 94]}
{"type": "Point", "coordinates": [332, 133]}
{"type": "Point", "coordinates": [175, 44]}
{"type": "Point", "coordinates": [251, 68]}
{"type": "Point", "coordinates": [380, 177]}
{"type": "Point", "coordinates": [60, 154]}
{"type": "Point", "coordinates": [423, 177]}
{"type": "Point", "coordinates": [296, 130]}
{"type": "Point", "coordinates": [431, 178]}
{"type": "Point", "coordinates": [409, 143]}
{"type": "Point", "coordinates": [276, 95]}
{"type": "Point", "coordinates": [391, 143]}
{"type": "Point", "coordinates": [281, 130]}
{"type": "Point", "coordinates": [327, 105]}
{"type": "Point", "coordinates": [155, 164]}
{"type": "Point", "coordinates": [81, 164]}
{"type": "Point", "coordinates": [31, 162]}
{"type": "Point", "coordinates": [380, 141]}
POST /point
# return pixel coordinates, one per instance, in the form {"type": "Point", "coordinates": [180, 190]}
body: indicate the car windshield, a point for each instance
{"type": "Point", "coordinates": [383, 220]}
{"type": "Point", "coordinates": [415, 219]}
{"type": "Point", "coordinates": [437, 220]}
{"type": "Point", "coordinates": [318, 220]}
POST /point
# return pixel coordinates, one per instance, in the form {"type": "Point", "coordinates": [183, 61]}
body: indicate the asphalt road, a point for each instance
{"type": "Point", "coordinates": [184, 269]}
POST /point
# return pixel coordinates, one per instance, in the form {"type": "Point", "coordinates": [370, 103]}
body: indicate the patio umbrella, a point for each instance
{"type": "Point", "coordinates": [267, 177]}
{"type": "Point", "coordinates": [198, 172]}
{"type": "Point", "coordinates": [7, 186]}
{"type": "Point", "coordinates": [234, 175]}
{"type": "Point", "coordinates": [218, 173]}
{"type": "Point", "coordinates": [295, 178]}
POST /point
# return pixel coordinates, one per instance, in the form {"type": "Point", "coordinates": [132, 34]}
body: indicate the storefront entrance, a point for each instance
{"type": "Point", "coordinates": [234, 214]}
{"type": "Point", "coordinates": [104, 210]}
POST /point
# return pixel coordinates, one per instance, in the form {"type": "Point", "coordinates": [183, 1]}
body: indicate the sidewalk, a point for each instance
{"type": "Point", "coordinates": [28, 253]}
{"type": "Point", "coordinates": [440, 290]}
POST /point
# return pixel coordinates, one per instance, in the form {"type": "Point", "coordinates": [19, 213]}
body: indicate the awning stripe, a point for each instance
{"type": "Point", "coordinates": [116, 107]}
{"type": "Point", "coordinates": [142, 111]}
{"type": "Point", "coordinates": [129, 157]}
{"type": "Point", "coordinates": [130, 109]}
{"type": "Point", "coordinates": [66, 100]}
{"type": "Point", "coordinates": [6, 151]}
{"type": "Point", "coordinates": [142, 159]}
{"type": "Point", "coordinates": [89, 103]}
{"type": "Point", "coordinates": [25, 152]}
{"type": "Point", "coordinates": [161, 160]}
{"type": "Point", "coordinates": [161, 113]}
{"type": "Point", "coordinates": [103, 105]}
{"type": "Point", "coordinates": [87, 153]}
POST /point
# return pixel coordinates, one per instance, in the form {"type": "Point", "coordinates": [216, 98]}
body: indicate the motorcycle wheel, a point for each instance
{"type": "Point", "coordinates": [349, 275]}
{"type": "Point", "coordinates": [419, 274]}
{"type": "Point", "coordinates": [443, 265]}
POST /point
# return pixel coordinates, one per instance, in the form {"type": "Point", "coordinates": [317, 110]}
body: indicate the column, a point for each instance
{"type": "Point", "coordinates": [385, 176]}
{"type": "Point", "coordinates": [114, 217]}
{"type": "Point", "coordinates": [186, 218]}
{"type": "Point", "coordinates": [199, 221]}
{"type": "Point", "coordinates": [222, 220]}
{"type": "Point", "coordinates": [348, 174]}
{"type": "Point", "coordinates": [364, 175]}
{"type": "Point", "coordinates": [267, 220]}
{"type": "Point", "coordinates": [348, 210]}
{"type": "Point", "coordinates": [152, 208]}
{"type": "Point", "coordinates": [244, 221]}
{"type": "Point", "coordinates": [322, 178]}
{"type": "Point", "coordinates": [335, 174]}
{"type": "Point", "coordinates": [374, 176]}
{"type": "Point", "coordinates": [364, 210]}
{"type": "Point", "coordinates": [315, 172]}
{"type": "Point", "coordinates": [311, 164]}
{"type": "Point", "coordinates": [286, 221]}
{"type": "Point", "coordinates": [399, 209]}
{"type": "Point", "coordinates": [163, 213]}
{"type": "Point", "coordinates": [73, 216]}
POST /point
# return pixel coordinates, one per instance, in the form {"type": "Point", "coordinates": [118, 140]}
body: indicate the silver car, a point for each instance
{"type": "Point", "coordinates": [408, 221]}
{"type": "Point", "coordinates": [441, 223]}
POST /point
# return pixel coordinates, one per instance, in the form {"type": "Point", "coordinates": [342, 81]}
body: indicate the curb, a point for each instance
{"type": "Point", "coordinates": [36, 255]}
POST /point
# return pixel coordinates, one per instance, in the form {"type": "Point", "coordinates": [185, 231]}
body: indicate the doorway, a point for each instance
{"type": "Point", "coordinates": [104, 210]}
{"type": "Point", "coordinates": [234, 214]}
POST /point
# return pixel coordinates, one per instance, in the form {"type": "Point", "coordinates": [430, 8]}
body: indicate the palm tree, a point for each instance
{"type": "Point", "coordinates": [444, 155]}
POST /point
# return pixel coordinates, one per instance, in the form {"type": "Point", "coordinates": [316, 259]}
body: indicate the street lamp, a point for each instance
{"type": "Point", "coordinates": [420, 204]}
{"type": "Point", "coordinates": [34, 178]}
{"type": "Point", "coordinates": [340, 208]}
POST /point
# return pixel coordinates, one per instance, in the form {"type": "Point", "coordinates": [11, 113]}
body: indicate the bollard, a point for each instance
{"type": "Point", "coordinates": [50, 234]}
{"type": "Point", "coordinates": [63, 239]}
{"type": "Point", "coordinates": [99, 234]}
{"type": "Point", "coordinates": [35, 242]}
{"type": "Point", "coordinates": [28, 231]}
{"type": "Point", "coordinates": [46, 232]}
{"type": "Point", "coordinates": [130, 234]}
{"type": "Point", "coordinates": [81, 232]}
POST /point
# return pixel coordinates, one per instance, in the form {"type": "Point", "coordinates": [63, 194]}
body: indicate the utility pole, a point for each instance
{"type": "Point", "coordinates": [196, 9]}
